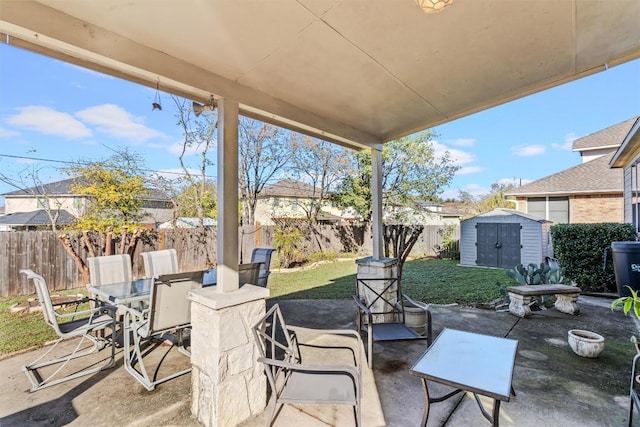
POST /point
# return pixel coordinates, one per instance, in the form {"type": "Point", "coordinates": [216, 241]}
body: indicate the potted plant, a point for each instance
{"type": "Point", "coordinates": [628, 303]}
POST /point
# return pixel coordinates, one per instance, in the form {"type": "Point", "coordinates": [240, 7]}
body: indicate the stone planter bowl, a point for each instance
{"type": "Point", "coordinates": [586, 343]}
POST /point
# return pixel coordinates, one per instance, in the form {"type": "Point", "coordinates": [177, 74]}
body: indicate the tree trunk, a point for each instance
{"type": "Point", "coordinates": [400, 238]}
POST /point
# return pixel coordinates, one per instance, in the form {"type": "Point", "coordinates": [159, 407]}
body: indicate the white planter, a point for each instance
{"type": "Point", "coordinates": [415, 318]}
{"type": "Point", "coordinates": [586, 343]}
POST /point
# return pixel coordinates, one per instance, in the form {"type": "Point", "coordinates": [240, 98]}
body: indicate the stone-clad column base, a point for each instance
{"type": "Point", "coordinates": [228, 385]}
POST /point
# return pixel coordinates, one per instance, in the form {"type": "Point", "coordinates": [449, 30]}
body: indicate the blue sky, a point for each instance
{"type": "Point", "coordinates": [53, 110]}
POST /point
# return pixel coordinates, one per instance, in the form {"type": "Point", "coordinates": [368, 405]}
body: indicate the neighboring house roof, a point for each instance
{"type": "Point", "coordinates": [64, 188]}
{"type": "Point", "coordinates": [506, 212]}
{"type": "Point", "coordinates": [610, 137]}
{"type": "Point", "coordinates": [289, 188]}
{"type": "Point", "coordinates": [594, 176]}
{"type": "Point", "coordinates": [35, 218]}
{"type": "Point", "coordinates": [188, 222]}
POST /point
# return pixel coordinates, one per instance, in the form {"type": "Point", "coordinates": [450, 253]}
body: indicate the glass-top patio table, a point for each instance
{"type": "Point", "coordinates": [480, 364]}
{"type": "Point", "coordinates": [127, 293]}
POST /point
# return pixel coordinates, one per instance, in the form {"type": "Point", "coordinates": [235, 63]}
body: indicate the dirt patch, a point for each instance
{"type": "Point", "coordinates": [32, 304]}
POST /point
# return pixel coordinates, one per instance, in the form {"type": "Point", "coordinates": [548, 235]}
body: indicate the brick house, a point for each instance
{"type": "Point", "coordinates": [627, 157]}
{"type": "Point", "coordinates": [590, 192]}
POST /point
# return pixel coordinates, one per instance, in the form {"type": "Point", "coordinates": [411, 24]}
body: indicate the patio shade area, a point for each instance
{"type": "Point", "coordinates": [554, 386]}
{"type": "Point", "coordinates": [359, 73]}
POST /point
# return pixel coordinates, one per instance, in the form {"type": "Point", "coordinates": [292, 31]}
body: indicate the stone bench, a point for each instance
{"type": "Point", "coordinates": [520, 296]}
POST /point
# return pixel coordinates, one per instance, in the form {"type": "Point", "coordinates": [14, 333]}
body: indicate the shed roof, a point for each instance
{"type": "Point", "coordinates": [505, 212]}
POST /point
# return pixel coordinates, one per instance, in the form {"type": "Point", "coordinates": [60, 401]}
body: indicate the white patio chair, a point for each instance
{"type": "Point", "coordinates": [78, 324]}
{"type": "Point", "coordinates": [157, 263]}
{"type": "Point", "coordinates": [169, 311]}
{"type": "Point", "coordinates": [104, 270]}
{"type": "Point", "coordinates": [262, 255]}
{"type": "Point", "coordinates": [294, 382]}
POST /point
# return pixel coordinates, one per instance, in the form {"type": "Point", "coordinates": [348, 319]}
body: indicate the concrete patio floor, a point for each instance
{"type": "Point", "coordinates": [554, 386]}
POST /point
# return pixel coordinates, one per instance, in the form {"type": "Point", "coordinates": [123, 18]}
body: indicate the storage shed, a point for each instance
{"type": "Point", "coordinates": [504, 238]}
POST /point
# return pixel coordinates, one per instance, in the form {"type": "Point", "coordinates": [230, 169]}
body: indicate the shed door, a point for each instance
{"type": "Point", "coordinates": [498, 244]}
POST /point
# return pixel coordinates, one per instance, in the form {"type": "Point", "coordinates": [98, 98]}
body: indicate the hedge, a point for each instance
{"type": "Point", "coordinates": [579, 248]}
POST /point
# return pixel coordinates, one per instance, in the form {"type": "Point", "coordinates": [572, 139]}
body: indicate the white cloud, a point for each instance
{"type": "Point", "coordinates": [116, 121]}
{"type": "Point", "coordinates": [467, 170]}
{"type": "Point", "coordinates": [458, 157]}
{"type": "Point", "coordinates": [528, 150]}
{"type": "Point", "coordinates": [49, 121]}
{"type": "Point", "coordinates": [6, 133]}
{"type": "Point", "coordinates": [567, 145]}
{"type": "Point", "coordinates": [462, 142]}
{"type": "Point", "coordinates": [176, 148]}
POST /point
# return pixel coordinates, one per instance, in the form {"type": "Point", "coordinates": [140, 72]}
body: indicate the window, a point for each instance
{"type": "Point", "coordinates": [276, 201]}
{"type": "Point", "coordinates": [554, 209]}
{"type": "Point", "coordinates": [43, 203]}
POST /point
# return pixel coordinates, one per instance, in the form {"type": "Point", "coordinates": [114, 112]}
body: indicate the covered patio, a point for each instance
{"type": "Point", "coordinates": [553, 385]}
{"type": "Point", "coordinates": [351, 72]}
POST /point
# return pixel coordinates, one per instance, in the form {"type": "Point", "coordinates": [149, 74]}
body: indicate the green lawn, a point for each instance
{"type": "Point", "coordinates": [428, 280]}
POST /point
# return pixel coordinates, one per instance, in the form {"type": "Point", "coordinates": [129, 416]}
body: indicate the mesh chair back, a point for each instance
{"type": "Point", "coordinates": [248, 273]}
{"type": "Point", "coordinates": [45, 299]}
{"type": "Point", "coordinates": [169, 306]}
{"type": "Point", "coordinates": [263, 256]}
{"type": "Point", "coordinates": [157, 263]}
{"type": "Point", "coordinates": [104, 270]}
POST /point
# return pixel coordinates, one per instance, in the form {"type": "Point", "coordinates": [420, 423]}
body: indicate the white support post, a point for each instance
{"type": "Point", "coordinates": [227, 236]}
{"type": "Point", "coordinates": [376, 203]}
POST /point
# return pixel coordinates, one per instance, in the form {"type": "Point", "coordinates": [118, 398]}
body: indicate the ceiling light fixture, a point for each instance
{"type": "Point", "coordinates": [433, 6]}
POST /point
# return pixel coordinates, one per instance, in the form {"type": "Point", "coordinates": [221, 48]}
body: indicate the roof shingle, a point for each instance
{"type": "Point", "coordinates": [608, 137]}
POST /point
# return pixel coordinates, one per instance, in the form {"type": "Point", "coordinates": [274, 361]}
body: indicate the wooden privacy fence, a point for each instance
{"type": "Point", "coordinates": [42, 252]}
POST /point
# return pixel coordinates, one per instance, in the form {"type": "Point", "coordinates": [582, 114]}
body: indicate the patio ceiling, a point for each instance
{"type": "Point", "coordinates": [354, 72]}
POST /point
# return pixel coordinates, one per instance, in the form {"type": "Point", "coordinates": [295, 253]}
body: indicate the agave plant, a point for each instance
{"type": "Point", "coordinates": [533, 274]}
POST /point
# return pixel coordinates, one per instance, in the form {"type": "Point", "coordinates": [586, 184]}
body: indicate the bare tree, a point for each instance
{"type": "Point", "coordinates": [322, 165]}
{"type": "Point", "coordinates": [264, 150]}
{"type": "Point", "coordinates": [28, 182]}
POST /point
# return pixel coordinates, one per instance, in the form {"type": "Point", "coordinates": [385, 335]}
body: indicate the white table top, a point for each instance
{"type": "Point", "coordinates": [478, 363]}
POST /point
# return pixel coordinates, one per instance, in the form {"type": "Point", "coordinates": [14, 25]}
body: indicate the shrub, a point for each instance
{"type": "Point", "coordinates": [580, 249]}
{"type": "Point", "coordinates": [288, 241]}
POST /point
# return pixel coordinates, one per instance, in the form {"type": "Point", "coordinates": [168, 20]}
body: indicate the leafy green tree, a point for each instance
{"type": "Point", "coordinates": [411, 170]}
{"type": "Point", "coordinates": [193, 199]}
{"type": "Point", "coordinates": [115, 190]}
{"type": "Point", "coordinates": [495, 199]}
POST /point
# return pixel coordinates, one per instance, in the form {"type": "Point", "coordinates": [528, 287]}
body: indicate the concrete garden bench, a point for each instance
{"type": "Point", "coordinates": [520, 297]}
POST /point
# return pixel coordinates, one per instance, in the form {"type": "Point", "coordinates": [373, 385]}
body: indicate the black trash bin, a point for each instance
{"type": "Point", "coordinates": [626, 265]}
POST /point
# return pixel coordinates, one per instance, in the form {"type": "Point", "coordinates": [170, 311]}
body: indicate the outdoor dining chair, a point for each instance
{"type": "Point", "coordinates": [382, 312]}
{"type": "Point", "coordinates": [157, 263]}
{"type": "Point", "coordinates": [104, 270]}
{"type": "Point", "coordinates": [293, 382]}
{"type": "Point", "coordinates": [169, 311]}
{"type": "Point", "coordinates": [77, 324]}
{"type": "Point", "coordinates": [263, 256]}
{"type": "Point", "coordinates": [248, 273]}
